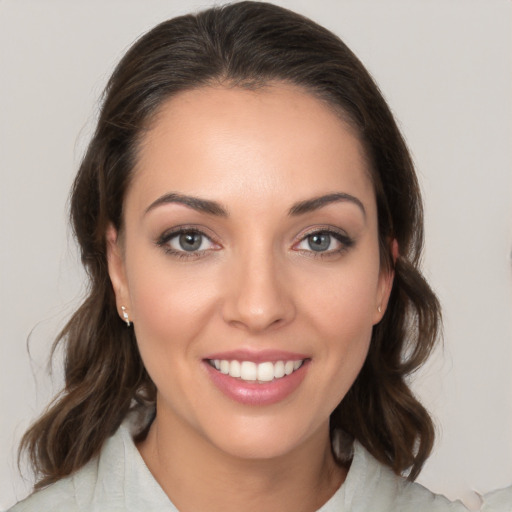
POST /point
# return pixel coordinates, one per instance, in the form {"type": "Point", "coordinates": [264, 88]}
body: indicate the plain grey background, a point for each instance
{"type": "Point", "coordinates": [445, 67]}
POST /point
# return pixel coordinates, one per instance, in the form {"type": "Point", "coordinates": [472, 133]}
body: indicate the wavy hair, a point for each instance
{"type": "Point", "coordinates": [246, 44]}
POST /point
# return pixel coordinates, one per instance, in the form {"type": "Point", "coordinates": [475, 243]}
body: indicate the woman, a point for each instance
{"type": "Point", "coordinates": [251, 223]}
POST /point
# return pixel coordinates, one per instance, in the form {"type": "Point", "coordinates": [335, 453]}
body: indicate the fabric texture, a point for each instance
{"type": "Point", "coordinates": [118, 480]}
{"type": "Point", "coordinates": [498, 501]}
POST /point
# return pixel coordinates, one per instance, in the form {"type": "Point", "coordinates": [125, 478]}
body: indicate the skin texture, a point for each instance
{"type": "Point", "coordinates": [254, 284]}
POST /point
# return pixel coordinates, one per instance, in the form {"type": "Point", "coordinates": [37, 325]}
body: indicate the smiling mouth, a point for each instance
{"type": "Point", "coordinates": [256, 372]}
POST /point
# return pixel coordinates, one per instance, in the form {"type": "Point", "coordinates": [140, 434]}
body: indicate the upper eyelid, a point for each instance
{"type": "Point", "coordinates": [339, 234]}
{"type": "Point", "coordinates": [202, 230]}
{"type": "Point", "coordinates": [187, 228]}
{"type": "Point", "coordinates": [321, 229]}
{"type": "Point", "coordinates": [163, 242]}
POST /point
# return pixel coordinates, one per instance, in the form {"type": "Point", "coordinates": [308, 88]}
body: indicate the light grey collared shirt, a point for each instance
{"type": "Point", "coordinates": [118, 480]}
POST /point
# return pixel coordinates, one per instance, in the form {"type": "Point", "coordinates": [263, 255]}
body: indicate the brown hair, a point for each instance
{"type": "Point", "coordinates": [245, 44]}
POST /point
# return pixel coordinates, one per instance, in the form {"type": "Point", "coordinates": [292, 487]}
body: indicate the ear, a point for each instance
{"type": "Point", "coordinates": [116, 269]}
{"type": "Point", "coordinates": [386, 278]}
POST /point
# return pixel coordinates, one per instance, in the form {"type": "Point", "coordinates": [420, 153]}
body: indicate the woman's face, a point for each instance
{"type": "Point", "coordinates": [249, 265]}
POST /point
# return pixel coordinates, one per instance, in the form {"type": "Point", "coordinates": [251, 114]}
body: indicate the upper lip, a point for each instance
{"type": "Point", "coordinates": [257, 356]}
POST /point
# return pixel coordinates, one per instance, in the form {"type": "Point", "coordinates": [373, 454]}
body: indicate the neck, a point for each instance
{"type": "Point", "coordinates": [198, 476]}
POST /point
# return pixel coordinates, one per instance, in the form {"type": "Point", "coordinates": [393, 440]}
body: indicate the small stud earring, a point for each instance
{"type": "Point", "coordinates": [379, 309]}
{"type": "Point", "coordinates": [125, 316]}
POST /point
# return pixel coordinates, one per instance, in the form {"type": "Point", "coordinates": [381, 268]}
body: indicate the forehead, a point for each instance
{"type": "Point", "coordinates": [275, 142]}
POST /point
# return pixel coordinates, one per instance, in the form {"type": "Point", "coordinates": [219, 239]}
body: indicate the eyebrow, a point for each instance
{"type": "Point", "coordinates": [214, 208]}
{"type": "Point", "coordinates": [201, 205]}
{"type": "Point", "coordinates": [319, 202]}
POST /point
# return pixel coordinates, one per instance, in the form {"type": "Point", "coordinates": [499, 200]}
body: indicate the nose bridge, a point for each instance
{"type": "Point", "coordinates": [257, 295]}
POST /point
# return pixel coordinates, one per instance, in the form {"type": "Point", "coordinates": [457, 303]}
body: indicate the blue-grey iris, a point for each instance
{"type": "Point", "coordinates": [190, 241]}
{"type": "Point", "coordinates": [319, 242]}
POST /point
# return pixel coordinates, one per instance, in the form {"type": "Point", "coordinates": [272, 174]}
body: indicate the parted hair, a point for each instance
{"type": "Point", "coordinates": [245, 44]}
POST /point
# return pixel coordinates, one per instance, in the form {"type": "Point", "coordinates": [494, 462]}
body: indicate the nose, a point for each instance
{"type": "Point", "coordinates": [257, 294]}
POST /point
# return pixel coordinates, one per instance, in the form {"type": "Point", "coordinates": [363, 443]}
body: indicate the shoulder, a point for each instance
{"type": "Point", "coordinates": [371, 486]}
{"type": "Point", "coordinates": [81, 490]}
{"type": "Point", "coordinates": [62, 496]}
{"type": "Point", "coordinates": [116, 480]}
{"type": "Point", "coordinates": [498, 501]}
{"type": "Point", "coordinates": [415, 497]}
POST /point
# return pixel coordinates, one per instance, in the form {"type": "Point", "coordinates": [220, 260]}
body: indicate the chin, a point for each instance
{"type": "Point", "coordinates": [263, 440]}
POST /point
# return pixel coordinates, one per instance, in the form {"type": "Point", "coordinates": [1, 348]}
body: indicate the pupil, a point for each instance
{"type": "Point", "coordinates": [190, 241]}
{"type": "Point", "coordinates": [319, 242]}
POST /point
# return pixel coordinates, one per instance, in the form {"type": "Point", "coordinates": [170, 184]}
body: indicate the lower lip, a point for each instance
{"type": "Point", "coordinates": [255, 393]}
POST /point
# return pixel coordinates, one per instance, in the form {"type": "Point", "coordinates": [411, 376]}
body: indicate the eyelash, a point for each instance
{"type": "Point", "coordinates": [345, 241]}
{"type": "Point", "coordinates": [166, 237]}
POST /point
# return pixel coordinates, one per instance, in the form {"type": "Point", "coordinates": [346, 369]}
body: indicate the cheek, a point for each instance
{"type": "Point", "coordinates": [343, 301]}
{"type": "Point", "coordinates": [341, 312]}
{"type": "Point", "coordinates": [345, 322]}
{"type": "Point", "coordinates": [170, 303]}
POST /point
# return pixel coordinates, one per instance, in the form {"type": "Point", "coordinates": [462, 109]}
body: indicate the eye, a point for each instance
{"type": "Point", "coordinates": [186, 242]}
{"type": "Point", "coordinates": [320, 242]}
{"type": "Point", "coordinates": [325, 242]}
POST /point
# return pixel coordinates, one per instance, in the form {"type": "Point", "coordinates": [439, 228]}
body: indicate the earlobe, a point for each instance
{"type": "Point", "coordinates": [116, 268]}
{"type": "Point", "coordinates": [387, 277]}
{"type": "Point", "coordinates": [394, 250]}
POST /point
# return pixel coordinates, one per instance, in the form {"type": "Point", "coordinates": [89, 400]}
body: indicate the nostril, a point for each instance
{"type": "Point", "coordinates": [256, 297]}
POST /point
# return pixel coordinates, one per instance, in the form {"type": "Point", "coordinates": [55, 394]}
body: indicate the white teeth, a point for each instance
{"type": "Point", "coordinates": [248, 370]}
{"type": "Point", "coordinates": [224, 366]}
{"type": "Point", "coordinates": [279, 370]}
{"type": "Point", "coordinates": [234, 369]}
{"type": "Point", "coordinates": [262, 372]}
{"type": "Point", "coordinates": [265, 372]}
